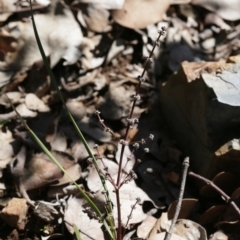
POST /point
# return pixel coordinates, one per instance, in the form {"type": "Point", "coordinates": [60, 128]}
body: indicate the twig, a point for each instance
{"type": "Point", "coordinates": [216, 188]}
{"type": "Point", "coordinates": [179, 204]}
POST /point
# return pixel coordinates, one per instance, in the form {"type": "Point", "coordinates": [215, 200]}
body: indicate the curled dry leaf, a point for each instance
{"type": "Point", "coordinates": [35, 104]}
{"type": "Point", "coordinates": [140, 13]}
{"type": "Point", "coordinates": [212, 214]}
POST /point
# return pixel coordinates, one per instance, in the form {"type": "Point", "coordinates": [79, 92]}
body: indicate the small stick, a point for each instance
{"type": "Point", "coordinates": [179, 204]}
{"type": "Point", "coordinates": [216, 188]}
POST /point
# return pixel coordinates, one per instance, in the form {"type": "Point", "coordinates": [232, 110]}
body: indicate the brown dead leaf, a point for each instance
{"type": "Point", "coordinates": [73, 171]}
{"type": "Point", "coordinates": [212, 214]}
{"type": "Point", "coordinates": [140, 13]}
{"type": "Point", "coordinates": [236, 194]}
{"type": "Point", "coordinates": [227, 182]}
{"type": "Point", "coordinates": [231, 215]}
{"type": "Point", "coordinates": [186, 209]}
{"type": "Point", "coordinates": [38, 170]}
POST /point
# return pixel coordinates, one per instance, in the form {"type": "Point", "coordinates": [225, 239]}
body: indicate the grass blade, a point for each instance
{"type": "Point", "coordinates": [77, 233]}
{"type": "Point", "coordinates": [47, 65]}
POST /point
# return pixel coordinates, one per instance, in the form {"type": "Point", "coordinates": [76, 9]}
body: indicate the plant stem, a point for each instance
{"type": "Point", "coordinates": [118, 183]}
{"type": "Point", "coordinates": [179, 204]}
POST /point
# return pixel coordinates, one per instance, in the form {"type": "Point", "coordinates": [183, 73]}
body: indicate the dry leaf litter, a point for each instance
{"type": "Point", "coordinates": [190, 103]}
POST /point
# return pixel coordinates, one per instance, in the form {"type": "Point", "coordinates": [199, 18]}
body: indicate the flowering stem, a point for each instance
{"type": "Point", "coordinates": [124, 142]}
